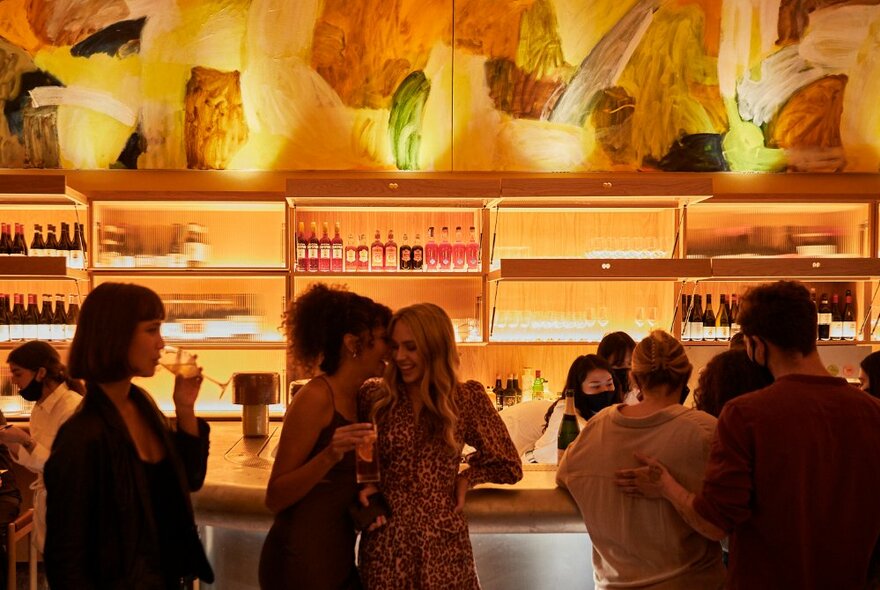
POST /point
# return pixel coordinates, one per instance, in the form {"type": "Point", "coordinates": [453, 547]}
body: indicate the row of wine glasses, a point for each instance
{"type": "Point", "coordinates": [625, 247]}
{"type": "Point", "coordinates": [587, 325]}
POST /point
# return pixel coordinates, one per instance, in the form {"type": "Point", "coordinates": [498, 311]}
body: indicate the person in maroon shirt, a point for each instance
{"type": "Point", "coordinates": [794, 471]}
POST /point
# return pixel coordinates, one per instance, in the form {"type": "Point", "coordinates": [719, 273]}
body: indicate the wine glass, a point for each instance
{"type": "Point", "coordinates": [181, 362]}
{"type": "Point", "coordinates": [602, 317]}
{"type": "Point", "coordinates": [640, 316]}
{"type": "Point", "coordinates": [651, 316]}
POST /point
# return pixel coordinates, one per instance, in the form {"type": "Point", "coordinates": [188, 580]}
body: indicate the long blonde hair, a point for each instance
{"type": "Point", "coordinates": [435, 342]}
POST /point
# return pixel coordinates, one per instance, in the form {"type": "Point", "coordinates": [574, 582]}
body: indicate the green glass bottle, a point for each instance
{"type": "Point", "coordinates": [569, 428]}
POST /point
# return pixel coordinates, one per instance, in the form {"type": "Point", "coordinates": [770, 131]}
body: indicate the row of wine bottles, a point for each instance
{"type": "Point", "coordinates": [701, 324]}
{"type": "Point", "coordinates": [836, 322]}
{"type": "Point", "coordinates": [20, 323]}
{"type": "Point", "coordinates": [74, 250]}
{"type": "Point", "coordinates": [534, 387]}
{"type": "Point", "coordinates": [125, 247]}
{"type": "Point", "coordinates": [327, 254]}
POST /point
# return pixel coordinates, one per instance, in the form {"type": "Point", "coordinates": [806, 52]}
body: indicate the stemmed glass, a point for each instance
{"type": "Point", "coordinates": [181, 362]}
{"type": "Point", "coordinates": [603, 317]}
{"type": "Point", "coordinates": [651, 318]}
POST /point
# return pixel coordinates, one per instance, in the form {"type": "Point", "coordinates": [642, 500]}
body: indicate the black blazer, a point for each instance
{"type": "Point", "coordinates": [100, 529]}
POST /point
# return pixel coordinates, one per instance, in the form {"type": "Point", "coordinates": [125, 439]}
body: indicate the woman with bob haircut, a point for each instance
{"type": "Point", "coordinates": [120, 474]}
{"type": "Point", "coordinates": [313, 484]}
{"type": "Point", "coordinates": [638, 542]}
{"type": "Point", "coordinates": [41, 377]}
{"type": "Point", "coordinates": [424, 416]}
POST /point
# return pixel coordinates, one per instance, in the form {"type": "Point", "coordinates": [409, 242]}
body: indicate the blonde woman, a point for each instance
{"type": "Point", "coordinates": [639, 542]}
{"type": "Point", "coordinates": [425, 416]}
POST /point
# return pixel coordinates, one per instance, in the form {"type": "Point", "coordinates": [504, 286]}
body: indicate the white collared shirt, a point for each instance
{"type": "Point", "coordinates": [47, 417]}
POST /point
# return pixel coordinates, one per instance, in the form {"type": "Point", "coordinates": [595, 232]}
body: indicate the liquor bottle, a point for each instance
{"type": "Point", "coordinates": [697, 319]}
{"type": "Point", "coordinates": [499, 393]}
{"type": "Point", "coordinates": [722, 322]}
{"type": "Point", "coordinates": [824, 318]}
{"type": "Point", "coordinates": [472, 250]}
{"type": "Point", "coordinates": [538, 386]}
{"type": "Point", "coordinates": [685, 318]}
{"type": "Point", "coordinates": [509, 391]}
{"type": "Point", "coordinates": [31, 318]}
{"type": "Point", "coordinates": [849, 317]}
{"type": "Point", "coordinates": [64, 243]}
{"type": "Point", "coordinates": [391, 261]}
{"type": "Point", "coordinates": [176, 256]}
{"type": "Point", "coordinates": [313, 247]}
{"type": "Point", "coordinates": [38, 246]}
{"type": "Point", "coordinates": [734, 314]}
{"type": "Point", "coordinates": [351, 250]}
{"type": "Point", "coordinates": [431, 254]}
{"type": "Point", "coordinates": [325, 247]}
{"type": "Point", "coordinates": [516, 389]}
{"type": "Point", "coordinates": [709, 320]}
{"type": "Point", "coordinates": [337, 255]}
{"type": "Point", "coordinates": [16, 322]}
{"type": "Point", "coordinates": [377, 253]}
{"type": "Point", "coordinates": [836, 318]}
{"type": "Point", "coordinates": [59, 320]}
{"type": "Point", "coordinates": [363, 254]}
{"type": "Point", "coordinates": [405, 255]}
{"type": "Point", "coordinates": [75, 258]}
{"type": "Point", "coordinates": [5, 240]}
{"type": "Point", "coordinates": [72, 317]}
{"type": "Point", "coordinates": [568, 428]}
{"type": "Point", "coordinates": [19, 247]}
{"type": "Point", "coordinates": [459, 252]}
{"type": "Point", "coordinates": [5, 318]}
{"type": "Point", "coordinates": [444, 250]}
{"type": "Point", "coordinates": [44, 327]}
{"type": "Point", "coordinates": [302, 254]}
{"type": "Point", "coordinates": [418, 253]}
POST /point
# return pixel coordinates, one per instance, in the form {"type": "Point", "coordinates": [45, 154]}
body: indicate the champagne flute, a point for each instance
{"type": "Point", "coordinates": [181, 362]}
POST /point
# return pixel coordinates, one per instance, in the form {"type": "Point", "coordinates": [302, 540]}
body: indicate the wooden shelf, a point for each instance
{"type": "Point", "coordinates": [725, 343]}
{"type": "Point", "coordinates": [38, 268]}
{"type": "Point", "coordinates": [182, 273]}
{"type": "Point", "coordinates": [588, 269]}
{"type": "Point", "coordinates": [403, 274]}
{"type": "Point", "coordinates": [812, 268]}
{"type": "Point", "coordinates": [42, 189]}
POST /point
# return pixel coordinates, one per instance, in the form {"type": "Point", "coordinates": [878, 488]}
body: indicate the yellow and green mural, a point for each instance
{"type": "Point", "coordinates": [527, 85]}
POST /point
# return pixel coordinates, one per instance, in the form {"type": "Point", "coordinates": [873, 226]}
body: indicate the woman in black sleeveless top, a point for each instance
{"type": "Point", "coordinates": [311, 542]}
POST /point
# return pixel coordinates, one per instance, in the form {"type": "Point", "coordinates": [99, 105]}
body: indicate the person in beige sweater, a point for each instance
{"type": "Point", "coordinates": [639, 543]}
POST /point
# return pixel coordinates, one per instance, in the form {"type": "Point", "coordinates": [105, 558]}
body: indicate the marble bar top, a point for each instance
{"type": "Point", "coordinates": [238, 470]}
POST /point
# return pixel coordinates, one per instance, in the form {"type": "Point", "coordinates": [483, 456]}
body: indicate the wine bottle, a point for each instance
{"type": "Point", "coordinates": [697, 319]}
{"type": "Point", "coordinates": [31, 318]}
{"type": "Point", "coordinates": [337, 254]}
{"type": "Point", "coordinates": [351, 250]}
{"type": "Point", "coordinates": [509, 391]}
{"type": "Point", "coordinates": [444, 250]}
{"type": "Point", "coordinates": [405, 255]}
{"type": "Point", "coordinates": [734, 314]}
{"type": "Point", "coordinates": [499, 393]}
{"type": "Point", "coordinates": [19, 247]}
{"type": "Point", "coordinates": [836, 319]}
{"type": "Point", "coordinates": [568, 428]}
{"type": "Point", "coordinates": [325, 250]}
{"type": "Point", "coordinates": [685, 316]}
{"type": "Point", "coordinates": [824, 318]}
{"type": "Point", "coordinates": [59, 320]}
{"type": "Point", "coordinates": [38, 246]}
{"type": "Point", "coordinates": [76, 254]}
{"type": "Point", "coordinates": [472, 250]}
{"type": "Point", "coordinates": [849, 317]}
{"type": "Point", "coordinates": [64, 243]}
{"type": "Point", "coordinates": [5, 318]}
{"type": "Point", "coordinates": [377, 253]}
{"type": "Point", "coordinates": [391, 253]}
{"type": "Point", "coordinates": [722, 322]}
{"type": "Point", "coordinates": [16, 322]}
{"type": "Point", "coordinates": [5, 240]}
{"type": "Point", "coordinates": [302, 254]}
{"type": "Point", "coordinates": [709, 320]}
{"type": "Point", "coordinates": [44, 327]}
{"type": "Point", "coordinates": [418, 253]}
{"type": "Point", "coordinates": [516, 389]}
{"type": "Point", "coordinates": [431, 254]}
{"type": "Point", "coordinates": [363, 254]}
{"type": "Point", "coordinates": [313, 247]}
{"type": "Point", "coordinates": [72, 317]}
{"type": "Point", "coordinates": [459, 252]}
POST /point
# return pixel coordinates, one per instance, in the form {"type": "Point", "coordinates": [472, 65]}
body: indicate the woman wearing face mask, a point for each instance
{"type": "Point", "coordinates": [590, 378]}
{"type": "Point", "coordinates": [639, 542]}
{"type": "Point", "coordinates": [617, 349]}
{"type": "Point", "coordinates": [41, 378]}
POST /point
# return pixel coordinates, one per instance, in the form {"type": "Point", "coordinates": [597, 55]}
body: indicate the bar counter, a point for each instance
{"type": "Point", "coordinates": [502, 518]}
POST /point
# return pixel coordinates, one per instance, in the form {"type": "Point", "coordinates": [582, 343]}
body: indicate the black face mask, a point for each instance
{"type": "Point", "coordinates": [587, 405]}
{"type": "Point", "coordinates": [32, 391]}
{"type": "Point", "coordinates": [621, 380]}
{"type": "Point", "coordinates": [765, 368]}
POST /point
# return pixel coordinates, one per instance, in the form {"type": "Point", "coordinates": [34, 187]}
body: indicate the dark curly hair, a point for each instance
{"type": "Point", "coordinates": [728, 375]}
{"type": "Point", "coordinates": [318, 320]}
{"type": "Point", "coordinates": [781, 313]}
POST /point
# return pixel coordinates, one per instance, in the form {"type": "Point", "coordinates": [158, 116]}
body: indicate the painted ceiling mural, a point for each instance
{"type": "Point", "coordinates": [532, 85]}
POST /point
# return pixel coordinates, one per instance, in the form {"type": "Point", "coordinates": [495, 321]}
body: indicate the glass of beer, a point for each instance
{"type": "Point", "coordinates": [367, 459]}
{"type": "Point", "coordinates": [183, 363]}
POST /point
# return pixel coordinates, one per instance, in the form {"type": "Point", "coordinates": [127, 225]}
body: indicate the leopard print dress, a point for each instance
{"type": "Point", "coordinates": [425, 545]}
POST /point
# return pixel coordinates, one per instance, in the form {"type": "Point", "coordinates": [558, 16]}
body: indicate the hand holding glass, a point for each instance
{"type": "Point", "coordinates": [366, 458]}
{"type": "Point", "coordinates": [183, 363]}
